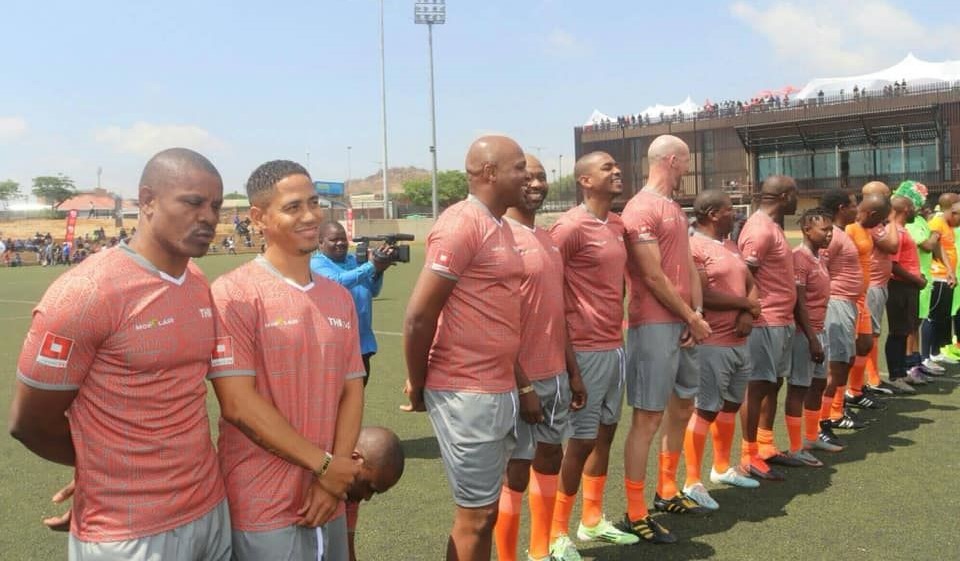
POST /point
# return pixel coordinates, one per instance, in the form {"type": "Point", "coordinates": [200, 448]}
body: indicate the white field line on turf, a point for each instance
{"type": "Point", "coordinates": [389, 333]}
{"type": "Point", "coordinates": [14, 317]}
{"type": "Point", "coordinates": [19, 302]}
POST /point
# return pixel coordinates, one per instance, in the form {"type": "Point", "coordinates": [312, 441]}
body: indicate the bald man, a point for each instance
{"type": "Point", "coordinates": [886, 243]}
{"type": "Point", "coordinates": [462, 339]}
{"type": "Point", "coordinates": [97, 348]}
{"type": "Point", "coordinates": [552, 371]}
{"type": "Point", "coordinates": [590, 238]}
{"type": "Point", "coordinates": [665, 315]}
{"type": "Point", "coordinates": [770, 259]}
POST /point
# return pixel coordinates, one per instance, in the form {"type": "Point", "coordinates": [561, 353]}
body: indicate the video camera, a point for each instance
{"type": "Point", "coordinates": [400, 254]}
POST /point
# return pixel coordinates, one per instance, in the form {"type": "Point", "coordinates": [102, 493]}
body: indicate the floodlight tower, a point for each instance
{"type": "Point", "coordinates": [431, 12]}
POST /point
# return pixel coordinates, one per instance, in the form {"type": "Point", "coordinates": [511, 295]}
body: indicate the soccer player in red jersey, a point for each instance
{"type": "Point", "coordinates": [545, 361]}
{"type": "Point", "coordinates": [289, 377]}
{"type": "Point", "coordinates": [111, 379]}
{"type": "Point", "coordinates": [462, 339]}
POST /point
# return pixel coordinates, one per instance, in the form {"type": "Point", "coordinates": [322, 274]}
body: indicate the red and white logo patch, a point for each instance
{"type": "Point", "coordinates": [55, 350]}
{"type": "Point", "coordinates": [443, 260]}
{"type": "Point", "coordinates": [645, 234]}
{"type": "Point", "coordinates": [222, 352]}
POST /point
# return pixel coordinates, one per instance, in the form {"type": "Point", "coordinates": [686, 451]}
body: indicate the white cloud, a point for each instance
{"type": "Point", "coordinates": [12, 128]}
{"type": "Point", "coordinates": [146, 139]}
{"type": "Point", "coordinates": [841, 38]}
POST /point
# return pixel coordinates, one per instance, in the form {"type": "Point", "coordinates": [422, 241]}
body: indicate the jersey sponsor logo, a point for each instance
{"type": "Point", "coordinates": [280, 322]}
{"type": "Point", "coordinates": [222, 352]}
{"type": "Point", "coordinates": [55, 350]}
{"type": "Point", "coordinates": [153, 323]}
{"type": "Point", "coordinates": [645, 234]}
{"type": "Point", "coordinates": [442, 261]}
{"type": "Point", "coordinates": [338, 322]}
{"type": "Point", "coordinates": [206, 313]}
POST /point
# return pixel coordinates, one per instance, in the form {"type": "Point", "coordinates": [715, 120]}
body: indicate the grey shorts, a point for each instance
{"type": "Point", "coordinates": [290, 543]}
{"type": "Point", "coordinates": [802, 367]}
{"type": "Point", "coordinates": [657, 366]}
{"type": "Point", "coordinates": [603, 373]}
{"type": "Point", "coordinates": [332, 540]}
{"type": "Point", "coordinates": [554, 394]}
{"type": "Point", "coordinates": [877, 304]}
{"type": "Point", "coordinates": [476, 433]}
{"type": "Point", "coordinates": [841, 327]}
{"type": "Point", "coordinates": [724, 372]}
{"type": "Point", "coordinates": [207, 537]}
{"type": "Point", "coordinates": [770, 349]}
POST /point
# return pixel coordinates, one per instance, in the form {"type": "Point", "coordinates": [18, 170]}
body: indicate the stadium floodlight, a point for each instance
{"type": "Point", "coordinates": [431, 12]}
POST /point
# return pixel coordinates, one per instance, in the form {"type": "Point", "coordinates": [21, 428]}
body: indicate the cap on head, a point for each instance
{"type": "Point", "coordinates": [916, 192]}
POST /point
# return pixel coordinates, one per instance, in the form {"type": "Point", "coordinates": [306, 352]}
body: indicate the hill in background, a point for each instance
{"type": "Point", "coordinates": [395, 179]}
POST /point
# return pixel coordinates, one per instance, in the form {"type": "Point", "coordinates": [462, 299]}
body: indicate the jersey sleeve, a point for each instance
{"type": "Point", "coordinates": [753, 245]}
{"type": "Point", "coordinates": [566, 235]}
{"type": "Point", "coordinates": [236, 315]}
{"type": "Point", "coordinates": [71, 322]}
{"type": "Point", "coordinates": [642, 224]}
{"type": "Point", "coordinates": [451, 246]}
{"type": "Point", "coordinates": [699, 257]}
{"type": "Point", "coordinates": [801, 268]}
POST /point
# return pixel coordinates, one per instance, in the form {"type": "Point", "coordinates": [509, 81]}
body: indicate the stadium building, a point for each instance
{"type": "Point", "coordinates": [899, 123]}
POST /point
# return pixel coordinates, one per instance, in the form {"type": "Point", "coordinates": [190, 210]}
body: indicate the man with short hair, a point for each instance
{"type": "Point", "coordinates": [590, 238]}
{"type": "Point", "coordinates": [544, 359]}
{"type": "Point", "coordinates": [936, 327]}
{"type": "Point", "coordinates": [769, 257]}
{"type": "Point", "coordinates": [132, 329]}
{"type": "Point", "coordinates": [364, 281]}
{"type": "Point", "coordinates": [905, 289]}
{"type": "Point", "coordinates": [731, 303]}
{"type": "Point", "coordinates": [288, 376]}
{"type": "Point", "coordinates": [462, 338]}
{"type": "Point", "coordinates": [665, 315]}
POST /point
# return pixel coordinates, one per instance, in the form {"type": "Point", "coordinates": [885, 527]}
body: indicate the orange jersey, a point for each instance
{"type": "Point", "coordinates": [594, 259]}
{"type": "Point", "coordinates": [301, 344]}
{"type": "Point", "coordinates": [863, 240]}
{"type": "Point", "coordinates": [948, 247]}
{"type": "Point", "coordinates": [136, 344]}
{"type": "Point", "coordinates": [652, 218]}
{"type": "Point", "coordinates": [542, 339]}
{"type": "Point", "coordinates": [478, 333]}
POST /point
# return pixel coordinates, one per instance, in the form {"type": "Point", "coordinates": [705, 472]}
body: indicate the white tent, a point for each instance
{"type": "Point", "coordinates": [688, 107]}
{"type": "Point", "coordinates": [596, 118]}
{"type": "Point", "coordinates": [915, 71]}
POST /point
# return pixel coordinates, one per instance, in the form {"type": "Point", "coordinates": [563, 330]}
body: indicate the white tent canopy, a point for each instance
{"type": "Point", "coordinates": [596, 118]}
{"type": "Point", "coordinates": [915, 71]}
{"type": "Point", "coordinates": [688, 107]}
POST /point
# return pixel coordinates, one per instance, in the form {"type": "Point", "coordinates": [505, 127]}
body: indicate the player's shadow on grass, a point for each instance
{"type": "Point", "coordinates": [424, 448]}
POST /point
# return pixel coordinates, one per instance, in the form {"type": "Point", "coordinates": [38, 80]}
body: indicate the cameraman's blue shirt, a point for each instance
{"type": "Point", "coordinates": [364, 284]}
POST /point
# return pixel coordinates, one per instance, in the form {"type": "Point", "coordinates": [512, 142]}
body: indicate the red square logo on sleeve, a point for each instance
{"type": "Point", "coordinates": [443, 260]}
{"type": "Point", "coordinates": [55, 350]}
{"type": "Point", "coordinates": [222, 352]}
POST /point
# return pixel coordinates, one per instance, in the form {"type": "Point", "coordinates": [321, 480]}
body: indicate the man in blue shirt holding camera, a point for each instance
{"type": "Point", "coordinates": [364, 280]}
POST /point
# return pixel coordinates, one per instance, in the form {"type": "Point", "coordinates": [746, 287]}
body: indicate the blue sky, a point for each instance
{"type": "Point", "coordinates": [95, 83]}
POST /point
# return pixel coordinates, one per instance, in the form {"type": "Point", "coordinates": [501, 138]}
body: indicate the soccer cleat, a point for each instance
{"type": "Point", "coordinates": [733, 476]}
{"type": "Point", "coordinates": [951, 351]}
{"type": "Point", "coordinates": [806, 458]}
{"type": "Point", "coordinates": [782, 459]}
{"type": "Point", "coordinates": [698, 494]}
{"type": "Point", "coordinates": [847, 423]}
{"type": "Point", "coordinates": [916, 377]}
{"type": "Point", "coordinates": [862, 401]}
{"type": "Point", "coordinates": [883, 389]}
{"type": "Point", "coordinates": [679, 504]}
{"type": "Point", "coordinates": [944, 359]}
{"type": "Point", "coordinates": [761, 470]}
{"type": "Point", "coordinates": [902, 386]}
{"type": "Point", "coordinates": [562, 549]}
{"type": "Point", "coordinates": [647, 529]}
{"type": "Point", "coordinates": [532, 558]}
{"type": "Point", "coordinates": [826, 435]}
{"type": "Point", "coordinates": [929, 365]}
{"type": "Point", "coordinates": [821, 445]}
{"type": "Point", "coordinates": [605, 531]}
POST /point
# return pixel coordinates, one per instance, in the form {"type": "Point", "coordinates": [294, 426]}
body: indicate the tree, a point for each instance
{"type": "Point", "coordinates": [234, 195]}
{"type": "Point", "coordinates": [451, 187]}
{"type": "Point", "coordinates": [9, 190]}
{"type": "Point", "coordinates": [54, 189]}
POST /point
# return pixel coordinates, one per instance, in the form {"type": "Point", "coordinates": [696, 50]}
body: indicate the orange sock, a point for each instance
{"type": "Point", "coordinates": [795, 432]}
{"type": "Point", "coordinates": [826, 404]}
{"type": "Point", "coordinates": [855, 381]}
{"type": "Point", "coordinates": [836, 408]}
{"type": "Point", "coordinates": [747, 451]}
{"type": "Point", "coordinates": [873, 370]}
{"type": "Point", "coordinates": [636, 504]}
{"type": "Point", "coordinates": [811, 424]}
{"type": "Point", "coordinates": [507, 527]}
{"type": "Point", "coordinates": [561, 514]}
{"type": "Point", "coordinates": [722, 431]}
{"type": "Point", "coordinates": [694, 442]}
{"type": "Point", "coordinates": [765, 444]}
{"type": "Point", "coordinates": [667, 479]}
{"type": "Point", "coordinates": [592, 499]}
{"type": "Point", "coordinates": [542, 495]}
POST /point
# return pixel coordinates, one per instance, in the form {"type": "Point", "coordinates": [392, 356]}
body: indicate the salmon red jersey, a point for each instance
{"type": "Point", "coordinates": [135, 343]}
{"type": "Point", "coordinates": [543, 338]}
{"type": "Point", "coordinates": [766, 250]}
{"type": "Point", "coordinates": [843, 263]}
{"type": "Point", "coordinates": [301, 344]}
{"type": "Point", "coordinates": [594, 260]}
{"type": "Point", "coordinates": [478, 333]}
{"type": "Point", "coordinates": [813, 277]}
{"type": "Point", "coordinates": [726, 273]}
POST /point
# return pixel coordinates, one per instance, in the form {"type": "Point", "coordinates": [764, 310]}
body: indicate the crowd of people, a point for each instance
{"type": "Point", "coordinates": [514, 347]}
